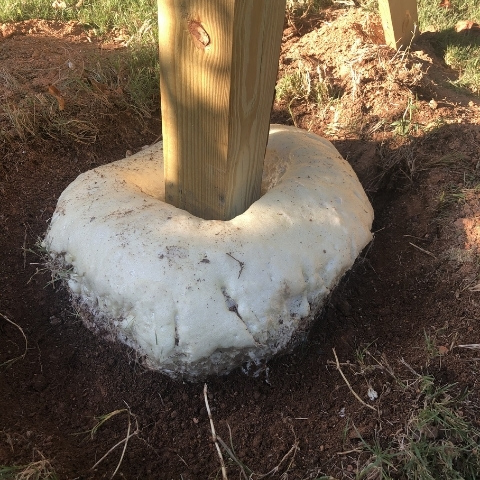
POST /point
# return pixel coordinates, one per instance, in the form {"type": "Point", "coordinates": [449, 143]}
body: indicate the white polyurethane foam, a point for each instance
{"type": "Point", "coordinates": [195, 297]}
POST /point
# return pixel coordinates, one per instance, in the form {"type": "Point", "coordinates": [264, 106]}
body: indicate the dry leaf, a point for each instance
{"type": "Point", "coordinates": [464, 25]}
{"type": "Point", "coordinates": [59, 5]}
{"type": "Point", "coordinates": [7, 30]}
{"type": "Point", "coordinates": [445, 4]}
{"type": "Point", "coordinates": [442, 350]}
{"type": "Point", "coordinates": [100, 87]}
{"type": "Point", "coordinates": [53, 90]}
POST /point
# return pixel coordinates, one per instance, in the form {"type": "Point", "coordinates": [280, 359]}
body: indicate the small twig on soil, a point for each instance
{"type": "Point", "coordinates": [418, 238]}
{"type": "Point", "coordinates": [214, 435]}
{"type": "Point", "coordinates": [243, 469]}
{"type": "Point", "coordinates": [348, 452]}
{"type": "Point", "coordinates": [124, 441]}
{"type": "Point", "coordinates": [471, 346]}
{"type": "Point", "coordinates": [423, 250]}
{"type": "Point", "coordinates": [8, 362]}
{"type": "Point", "coordinates": [402, 360]}
{"type": "Point", "coordinates": [182, 459]}
{"type": "Point", "coordinates": [347, 3]}
{"type": "Point", "coordinates": [25, 249]}
{"type": "Point", "coordinates": [233, 457]}
{"type": "Point", "coordinates": [293, 450]}
{"type": "Point", "coordinates": [242, 264]}
{"type": "Point", "coordinates": [160, 137]}
{"type": "Point", "coordinates": [348, 384]}
{"type": "Point", "coordinates": [343, 364]}
{"type": "Point", "coordinates": [124, 446]}
{"type": "Point", "coordinates": [385, 365]}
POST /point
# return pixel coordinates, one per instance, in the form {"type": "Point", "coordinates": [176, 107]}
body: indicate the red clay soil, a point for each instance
{"type": "Point", "coordinates": [409, 300]}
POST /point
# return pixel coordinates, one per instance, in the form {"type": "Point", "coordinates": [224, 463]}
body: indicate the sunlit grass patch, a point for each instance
{"type": "Point", "coordinates": [306, 86]}
{"type": "Point", "coordinates": [136, 17]}
{"type": "Point", "coordinates": [460, 50]}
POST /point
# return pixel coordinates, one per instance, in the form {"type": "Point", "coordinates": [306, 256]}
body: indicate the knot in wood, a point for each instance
{"type": "Point", "coordinates": [200, 37]}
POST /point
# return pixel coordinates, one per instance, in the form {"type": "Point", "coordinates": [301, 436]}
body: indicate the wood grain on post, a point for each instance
{"type": "Point", "coordinates": [400, 21]}
{"type": "Point", "coordinates": [218, 67]}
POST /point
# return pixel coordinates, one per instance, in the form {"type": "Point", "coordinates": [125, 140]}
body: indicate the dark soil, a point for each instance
{"type": "Point", "coordinates": [409, 297]}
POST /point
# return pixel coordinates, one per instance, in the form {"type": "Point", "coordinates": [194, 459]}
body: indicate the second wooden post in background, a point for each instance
{"type": "Point", "coordinates": [399, 21]}
{"type": "Point", "coordinates": [218, 67]}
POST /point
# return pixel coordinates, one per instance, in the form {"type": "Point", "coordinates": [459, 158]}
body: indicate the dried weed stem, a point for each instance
{"type": "Point", "coordinates": [348, 384]}
{"type": "Point", "coordinates": [12, 360]}
{"type": "Point", "coordinates": [124, 441]}
{"type": "Point", "coordinates": [214, 435]}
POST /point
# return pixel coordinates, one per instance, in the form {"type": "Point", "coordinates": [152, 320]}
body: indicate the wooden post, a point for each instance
{"type": "Point", "coordinates": [400, 21]}
{"type": "Point", "coordinates": [218, 67]}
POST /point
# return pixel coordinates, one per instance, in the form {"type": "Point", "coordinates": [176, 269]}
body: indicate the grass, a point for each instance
{"type": "Point", "coordinates": [461, 51]}
{"type": "Point", "coordinates": [137, 18]}
{"type": "Point", "coordinates": [406, 124]}
{"type": "Point", "coordinates": [37, 470]}
{"type": "Point", "coordinates": [103, 85]}
{"type": "Point", "coordinates": [305, 86]}
{"type": "Point", "coordinates": [437, 439]}
{"type": "Point", "coordinates": [104, 418]}
{"type": "Point", "coordinates": [455, 193]}
{"type": "Point", "coordinates": [302, 8]}
{"type": "Point", "coordinates": [129, 80]}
